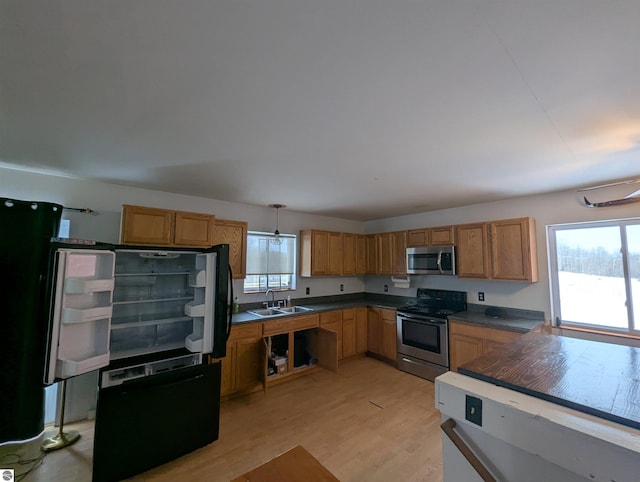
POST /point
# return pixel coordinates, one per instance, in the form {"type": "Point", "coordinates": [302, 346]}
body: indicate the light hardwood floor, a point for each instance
{"type": "Point", "coordinates": [370, 423]}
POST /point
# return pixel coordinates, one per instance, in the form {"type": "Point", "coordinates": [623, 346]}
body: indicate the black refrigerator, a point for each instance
{"type": "Point", "coordinates": [150, 320]}
{"type": "Point", "coordinates": [26, 228]}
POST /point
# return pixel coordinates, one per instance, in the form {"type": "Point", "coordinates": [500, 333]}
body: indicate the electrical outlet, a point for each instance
{"type": "Point", "coordinates": [473, 410]}
{"type": "Point", "coordinates": [480, 295]}
{"type": "Point", "coordinates": [341, 287]}
{"type": "Point", "coordinates": [386, 288]}
{"type": "Point", "coordinates": [308, 290]}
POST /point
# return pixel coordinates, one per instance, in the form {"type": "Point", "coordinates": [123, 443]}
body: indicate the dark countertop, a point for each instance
{"type": "Point", "coordinates": [510, 319]}
{"type": "Point", "coordinates": [597, 378]}
{"type": "Point", "coordinates": [333, 303]}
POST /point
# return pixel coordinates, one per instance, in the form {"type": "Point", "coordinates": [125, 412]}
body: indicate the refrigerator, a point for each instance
{"type": "Point", "coordinates": [151, 320]}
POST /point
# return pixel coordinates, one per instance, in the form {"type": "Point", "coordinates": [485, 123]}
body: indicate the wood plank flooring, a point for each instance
{"type": "Point", "coordinates": [370, 423]}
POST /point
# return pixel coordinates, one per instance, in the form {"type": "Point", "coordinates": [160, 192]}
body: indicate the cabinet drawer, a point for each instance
{"type": "Point", "coordinates": [493, 334]}
{"type": "Point", "coordinates": [250, 330]}
{"type": "Point", "coordinates": [286, 325]}
{"type": "Point", "coordinates": [330, 317]}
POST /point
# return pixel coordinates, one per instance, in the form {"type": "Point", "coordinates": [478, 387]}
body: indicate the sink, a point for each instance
{"type": "Point", "coordinates": [265, 312]}
{"type": "Point", "coordinates": [293, 309]}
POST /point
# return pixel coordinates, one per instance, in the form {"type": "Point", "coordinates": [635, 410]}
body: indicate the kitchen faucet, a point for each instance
{"type": "Point", "coordinates": [273, 298]}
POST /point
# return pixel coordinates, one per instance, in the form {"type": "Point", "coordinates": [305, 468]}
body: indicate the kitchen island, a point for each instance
{"type": "Point", "coordinates": [545, 407]}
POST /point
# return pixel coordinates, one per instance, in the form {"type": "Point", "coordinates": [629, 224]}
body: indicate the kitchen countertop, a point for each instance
{"type": "Point", "coordinates": [317, 306]}
{"type": "Point", "coordinates": [597, 378]}
{"type": "Point", "coordinates": [510, 319]}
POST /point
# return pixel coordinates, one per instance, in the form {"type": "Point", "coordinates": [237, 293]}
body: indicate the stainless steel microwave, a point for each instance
{"type": "Point", "coordinates": [431, 260]}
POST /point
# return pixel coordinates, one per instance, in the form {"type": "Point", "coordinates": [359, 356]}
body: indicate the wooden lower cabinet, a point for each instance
{"type": "Point", "coordinates": [382, 333]}
{"type": "Point", "coordinates": [468, 341]}
{"type": "Point", "coordinates": [292, 335]}
{"type": "Point", "coordinates": [242, 366]}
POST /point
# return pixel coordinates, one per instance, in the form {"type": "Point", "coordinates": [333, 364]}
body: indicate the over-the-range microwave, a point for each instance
{"type": "Point", "coordinates": [431, 260]}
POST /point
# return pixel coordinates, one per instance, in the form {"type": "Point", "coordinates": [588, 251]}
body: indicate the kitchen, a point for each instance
{"type": "Point", "coordinates": [506, 294]}
{"type": "Point", "coordinates": [105, 134]}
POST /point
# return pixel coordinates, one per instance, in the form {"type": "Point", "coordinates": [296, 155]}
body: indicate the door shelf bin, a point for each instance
{"type": "Point", "coordinates": [198, 279]}
{"type": "Point", "coordinates": [73, 315]}
{"type": "Point", "coordinates": [194, 309]}
{"type": "Point", "coordinates": [71, 368]}
{"type": "Point", "coordinates": [86, 285]}
{"type": "Point", "coordinates": [193, 344]}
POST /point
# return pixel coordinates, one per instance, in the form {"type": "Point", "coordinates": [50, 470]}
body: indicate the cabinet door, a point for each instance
{"type": "Point", "coordinates": [349, 254]}
{"type": "Point", "coordinates": [418, 237]}
{"type": "Point", "coordinates": [233, 233]}
{"type": "Point", "coordinates": [513, 247]}
{"type": "Point", "coordinates": [332, 321]}
{"type": "Point", "coordinates": [228, 365]}
{"type": "Point", "coordinates": [385, 244]}
{"type": "Point", "coordinates": [473, 253]}
{"type": "Point", "coordinates": [335, 254]}
{"type": "Point", "coordinates": [361, 329]}
{"type": "Point", "coordinates": [373, 331]}
{"type": "Point", "coordinates": [328, 349]}
{"type": "Point", "coordinates": [361, 253]}
{"type": "Point", "coordinates": [389, 334]}
{"type": "Point", "coordinates": [193, 229]}
{"type": "Point", "coordinates": [442, 236]}
{"type": "Point", "coordinates": [319, 252]}
{"type": "Point", "coordinates": [399, 252]}
{"type": "Point", "coordinates": [247, 372]}
{"type": "Point", "coordinates": [463, 349]}
{"type": "Point", "coordinates": [372, 253]}
{"type": "Point", "coordinates": [147, 226]}
{"type": "Point", "coordinates": [348, 332]}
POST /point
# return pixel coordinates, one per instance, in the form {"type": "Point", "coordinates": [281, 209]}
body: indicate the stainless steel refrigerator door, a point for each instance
{"type": "Point", "coordinates": [81, 316]}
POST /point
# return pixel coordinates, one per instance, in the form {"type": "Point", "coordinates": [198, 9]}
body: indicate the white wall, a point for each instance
{"type": "Point", "coordinates": [553, 208]}
{"type": "Point", "coordinates": [107, 200]}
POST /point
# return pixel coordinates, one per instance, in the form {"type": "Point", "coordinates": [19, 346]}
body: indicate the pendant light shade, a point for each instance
{"type": "Point", "coordinates": [276, 233]}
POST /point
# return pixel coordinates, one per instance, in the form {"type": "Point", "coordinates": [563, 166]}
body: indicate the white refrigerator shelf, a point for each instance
{"type": "Point", "coordinates": [192, 309]}
{"type": "Point", "coordinates": [73, 315]}
{"type": "Point", "coordinates": [88, 285]}
{"type": "Point", "coordinates": [70, 368]}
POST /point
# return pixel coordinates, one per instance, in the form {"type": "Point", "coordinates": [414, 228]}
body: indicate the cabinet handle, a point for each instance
{"type": "Point", "coordinates": [447, 427]}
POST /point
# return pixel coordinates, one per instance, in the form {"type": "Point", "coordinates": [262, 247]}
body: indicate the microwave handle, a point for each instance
{"type": "Point", "coordinates": [439, 261]}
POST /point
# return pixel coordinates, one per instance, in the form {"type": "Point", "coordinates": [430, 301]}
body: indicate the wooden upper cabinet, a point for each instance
{"type": "Point", "coordinates": [321, 253]}
{"type": "Point", "coordinates": [372, 253]}
{"type": "Point", "coordinates": [161, 227]}
{"type": "Point", "coordinates": [399, 252]}
{"type": "Point", "coordinates": [142, 225]}
{"type": "Point", "coordinates": [335, 254]}
{"type": "Point", "coordinates": [473, 250]}
{"type": "Point", "coordinates": [233, 233]}
{"type": "Point", "coordinates": [361, 254]}
{"type": "Point", "coordinates": [513, 249]}
{"type": "Point", "coordinates": [438, 236]}
{"type": "Point", "coordinates": [392, 258]}
{"type": "Point", "coordinates": [349, 254]}
{"type": "Point", "coordinates": [504, 249]}
{"type": "Point", "coordinates": [193, 229]}
{"type": "Point", "coordinates": [442, 236]}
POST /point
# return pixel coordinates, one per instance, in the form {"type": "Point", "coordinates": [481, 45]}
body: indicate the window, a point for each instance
{"type": "Point", "coordinates": [270, 265]}
{"type": "Point", "coordinates": [594, 271]}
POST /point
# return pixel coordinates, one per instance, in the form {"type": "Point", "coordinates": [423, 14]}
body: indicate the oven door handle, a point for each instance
{"type": "Point", "coordinates": [422, 319]}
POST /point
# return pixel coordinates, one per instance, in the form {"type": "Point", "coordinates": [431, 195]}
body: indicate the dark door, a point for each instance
{"type": "Point", "coordinates": [149, 421]}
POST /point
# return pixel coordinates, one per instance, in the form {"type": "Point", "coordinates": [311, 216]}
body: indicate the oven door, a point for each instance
{"type": "Point", "coordinates": [424, 338]}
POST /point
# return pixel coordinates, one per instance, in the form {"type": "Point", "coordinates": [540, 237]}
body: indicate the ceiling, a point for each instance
{"type": "Point", "coordinates": [358, 109]}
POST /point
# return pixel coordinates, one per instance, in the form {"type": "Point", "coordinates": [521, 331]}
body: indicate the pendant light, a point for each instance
{"type": "Point", "coordinates": [276, 234]}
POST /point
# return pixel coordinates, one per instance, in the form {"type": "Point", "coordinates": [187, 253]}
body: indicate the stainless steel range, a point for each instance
{"type": "Point", "coordinates": [423, 332]}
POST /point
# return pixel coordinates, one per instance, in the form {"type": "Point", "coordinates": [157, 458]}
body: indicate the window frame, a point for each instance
{"type": "Point", "coordinates": [632, 328]}
{"type": "Point", "coordinates": [293, 276]}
